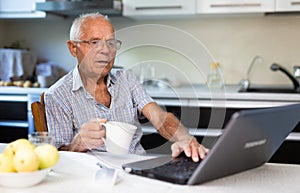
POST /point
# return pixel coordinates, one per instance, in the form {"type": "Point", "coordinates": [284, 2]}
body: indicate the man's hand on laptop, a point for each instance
{"type": "Point", "coordinates": [191, 148]}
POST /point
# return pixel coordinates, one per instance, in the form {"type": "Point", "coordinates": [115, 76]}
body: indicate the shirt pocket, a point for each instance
{"type": "Point", "coordinates": [125, 112]}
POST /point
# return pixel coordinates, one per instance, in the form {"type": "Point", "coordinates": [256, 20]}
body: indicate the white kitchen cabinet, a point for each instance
{"type": "Point", "coordinates": [158, 7]}
{"type": "Point", "coordinates": [287, 5]}
{"type": "Point", "coordinates": [20, 9]}
{"type": "Point", "coordinates": [235, 6]}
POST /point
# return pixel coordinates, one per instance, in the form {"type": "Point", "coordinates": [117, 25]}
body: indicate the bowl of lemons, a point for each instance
{"type": "Point", "coordinates": [22, 164]}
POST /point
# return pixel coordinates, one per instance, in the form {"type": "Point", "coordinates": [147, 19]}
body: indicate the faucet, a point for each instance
{"type": "Point", "coordinates": [296, 84]}
{"type": "Point", "coordinates": [245, 83]}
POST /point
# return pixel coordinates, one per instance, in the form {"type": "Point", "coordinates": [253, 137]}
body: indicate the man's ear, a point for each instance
{"type": "Point", "coordinates": [72, 48]}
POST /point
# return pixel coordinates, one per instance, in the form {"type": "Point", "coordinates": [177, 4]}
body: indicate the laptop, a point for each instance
{"type": "Point", "coordinates": [249, 140]}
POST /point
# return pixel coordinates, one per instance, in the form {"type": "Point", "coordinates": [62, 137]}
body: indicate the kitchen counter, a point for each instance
{"type": "Point", "coordinates": [10, 90]}
{"type": "Point", "coordinates": [193, 95]}
{"type": "Point", "coordinates": [227, 97]}
{"type": "Point", "coordinates": [229, 92]}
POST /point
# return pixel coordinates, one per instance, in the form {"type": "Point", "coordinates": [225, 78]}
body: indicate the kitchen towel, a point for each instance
{"type": "Point", "coordinates": [15, 63]}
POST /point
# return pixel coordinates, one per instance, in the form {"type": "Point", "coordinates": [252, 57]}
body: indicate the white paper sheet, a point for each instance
{"type": "Point", "coordinates": [116, 161]}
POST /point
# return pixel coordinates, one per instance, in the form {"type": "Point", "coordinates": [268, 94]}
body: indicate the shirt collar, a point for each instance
{"type": "Point", "coordinates": [77, 82]}
{"type": "Point", "coordinates": [111, 79]}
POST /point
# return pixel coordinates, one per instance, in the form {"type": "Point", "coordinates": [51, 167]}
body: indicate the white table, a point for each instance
{"type": "Point", "coordinates": [75, 172]}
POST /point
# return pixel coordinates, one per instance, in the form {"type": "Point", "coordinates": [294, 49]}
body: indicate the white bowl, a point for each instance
{"type": "Point", "coordinates": [22, 179]}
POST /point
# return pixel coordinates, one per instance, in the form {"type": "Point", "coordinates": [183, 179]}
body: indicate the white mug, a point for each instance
{"type": "Point", "coordinates": [118, 136]}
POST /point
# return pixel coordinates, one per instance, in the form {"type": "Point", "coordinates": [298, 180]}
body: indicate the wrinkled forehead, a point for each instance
{"type": "Point", "coordinates": [97, 28]}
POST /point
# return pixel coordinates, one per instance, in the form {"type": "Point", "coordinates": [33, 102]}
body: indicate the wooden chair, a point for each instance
{"type": "Point", "coordinates": [39, 115]}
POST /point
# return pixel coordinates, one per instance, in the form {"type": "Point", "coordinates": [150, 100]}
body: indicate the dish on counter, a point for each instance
{"type": "Point", "coordinates": [22, 179]}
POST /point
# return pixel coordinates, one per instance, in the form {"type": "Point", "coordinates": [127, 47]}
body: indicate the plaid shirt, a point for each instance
{"type": "Point", "coordinates": [69, 105]}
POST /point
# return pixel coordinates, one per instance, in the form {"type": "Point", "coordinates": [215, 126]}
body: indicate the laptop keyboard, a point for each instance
{"type": "Point", "coordinates": [178, 170]}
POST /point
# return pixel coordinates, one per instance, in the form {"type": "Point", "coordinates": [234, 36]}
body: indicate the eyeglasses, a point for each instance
{"type": "Point", "coordinates": [112, 44]}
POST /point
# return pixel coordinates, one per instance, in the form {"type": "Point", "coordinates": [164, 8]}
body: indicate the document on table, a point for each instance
{"type": "Point", "coordinates": [116, 161]}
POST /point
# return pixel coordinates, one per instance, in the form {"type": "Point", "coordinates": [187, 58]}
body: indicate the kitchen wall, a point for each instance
{"type": "Point", "coordinates": [179, 48]}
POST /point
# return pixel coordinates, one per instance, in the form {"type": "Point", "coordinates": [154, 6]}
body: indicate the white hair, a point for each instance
{"type": "Point", "coordinates": [75, 30]}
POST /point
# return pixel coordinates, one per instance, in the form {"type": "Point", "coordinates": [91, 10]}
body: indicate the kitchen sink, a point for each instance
{"type": "Point", "coordinates": [245, 83]}
{"type": "Point", "coordinates": [269, 90]}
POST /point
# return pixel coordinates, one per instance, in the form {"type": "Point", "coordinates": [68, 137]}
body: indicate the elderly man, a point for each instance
{"type": "Point", "coordinates": [90, 94]}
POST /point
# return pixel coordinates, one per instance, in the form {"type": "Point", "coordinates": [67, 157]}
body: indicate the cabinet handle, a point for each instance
{"type": "Point", "coordinates": [13, 98]}
{"type": "Point", "coordinates": [295, 3]}
{"type": "Point", "coordinates": [236, 5]}
{"type": "Point", "coordinates": [21, 124]}
{"type": "Point", "coordinates": [159, 8]}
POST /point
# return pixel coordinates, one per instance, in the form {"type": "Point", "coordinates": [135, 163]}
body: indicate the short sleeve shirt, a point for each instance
{"type": "Point", "coordinates": [69, 105]}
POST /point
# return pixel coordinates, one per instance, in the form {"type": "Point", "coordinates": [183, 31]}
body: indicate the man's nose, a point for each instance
{"type": "Point", "coordinates": [104, 48]}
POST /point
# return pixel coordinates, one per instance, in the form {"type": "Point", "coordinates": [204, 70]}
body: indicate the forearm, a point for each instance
{"type": "Point", "coordinates": [172, 129]}
{"type": "Point", "coordinates": [166, 123]}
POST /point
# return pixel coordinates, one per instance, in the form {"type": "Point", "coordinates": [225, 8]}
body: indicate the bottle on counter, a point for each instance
{"type": "Point", "coordinates": [214, 78]}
